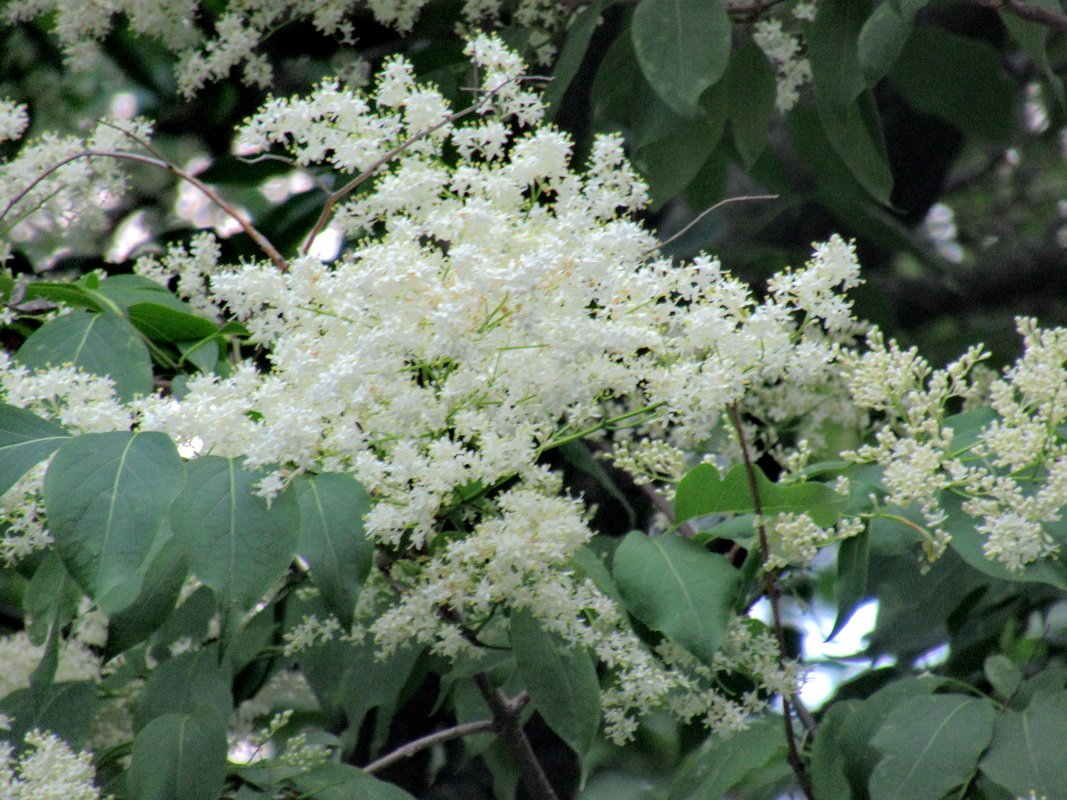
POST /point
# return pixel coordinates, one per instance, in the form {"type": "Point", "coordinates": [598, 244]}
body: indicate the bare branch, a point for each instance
{"type": "Point", "coordinates": [262, 157]}
{"type": "Point", "coordinates": [262, 241]}
{"type": "Point", "coordinates": [423, 742]}
{"type": "Point", "coordinates": [772, 590]}
{"type": "Point", "coordinates": [752, 9]}
{"type": "Point", "coordinates": [508, 724]}
{"type": "Point", "coordinates": [743, 199]}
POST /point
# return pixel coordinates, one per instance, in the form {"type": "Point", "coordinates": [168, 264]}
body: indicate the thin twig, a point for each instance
{"type": "Point", "coordinates": [264, 243]}
{"type": "Point", "coordinates": [323, 186]}
{"type": "Point", "coordinates": [752, 9]}
{"type": "Point", "coordinates": [704, 213]}
{"type": "Point", "coordinates": [333, 198]}
{"type": "Point", "coordinates": [506, 713]}
{"type": "Point", "coordinates": [773, 592]}
{"type": "Point", "coordinates": [1029, 11]}
{"type": "Point", "coordinates": [423, 742]}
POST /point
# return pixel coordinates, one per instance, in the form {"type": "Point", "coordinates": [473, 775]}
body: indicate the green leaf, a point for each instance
{"type": "Point", "coordinates": [202, 354]}
{"type": "Point", "coordinates": [25, 441]}
{"type": "Point", "coordinates": [572, 54]}
{"type": "Point", "coordinates": [588, 562]}
{"type": "Point", "coordinates": [828, 756]}
{"type": "Point", "coordinates": [1026, 754]}
{"type": "Point", "coordinates": [856, 136]}
{"type": "Point", "coordinates": [65, 709]}
{"type": "Point", "coordinates": [929, 746]}
{"type": "Point", "coordinates": [180, 757]}
{"type": "Point", "coordinates": [683, 47]}
{"type": "Point", "coordinates": [163, 580]}
{"type": "Point", "coordinates": [125, 291]}
{"type": "Point", "coordinates": [833, 42]}
{"type": "Point", "coordinates": [234, 542]}
{"type": "Point", "coordinates": [678, 588]}
{"type": "Point", "coordinates": [968, 542]}
{"type": "Point", "coordinates": [850, 586]}
{"type": "Point", "coordinates": [609, 99]}
{"type": "Point", "coordinates": [44, 674]}
{"type": "Point", "coordinates": [245, 651]}
{"type": "Point", "coordinates": [345, 782]}
{"type": "Point", "coordinates": [190, 620]}
{"type": "Point", "coordinates": [332, 540]}
{"type": "Point", "coordinates": [750, 91]}
{"type": "Point", "coordinates": [967, 428]}
{"type": "Point", "coordinates": [577, 453]}
{"type": "Point", "coordinates": [165, 324]}
{"type": "Point", "coordinates": [865, 718]}
{"type": "Point", "coordinates": [101, 344]}
{"type": "Point", "coordinates": [363, 681]}
{"type": "Point", "coordinates": [183, 684]}
{"type": "Point", "coordinates": [561, 679]}
{"type": "Point", "coordinates": [721, 764]}
{"type": "Point", "coordinates": [702, 492]}
{"type": "Point", "coordinates": [106, 496]}
{"type": "Point", "coordinates": [70, 294]}
{"type": "Point", "coordinates": [958, 79]}
{"type": "Point", "coordinates": [51, 597]}
{"type": "Point", "coordinates": [881, 42]}
{"type": "Point", "coordinates": [909, 8]}
{"type": "Point", "coordinates": [1003, 674]}
{"type": "Point", "coordinates": [906, 593]}
{"type": "Point", "coordinates": [670, 163]}
{"type": "Point", "coordinates": [1033, 38]}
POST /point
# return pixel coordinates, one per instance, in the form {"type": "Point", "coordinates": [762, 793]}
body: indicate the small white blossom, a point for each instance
{"type": "Point", "coordinates": [13, 120]}
{"type": "Point", "coordinates": [47, 770]}
{"type": "Point", "coordinates": [784, 51]}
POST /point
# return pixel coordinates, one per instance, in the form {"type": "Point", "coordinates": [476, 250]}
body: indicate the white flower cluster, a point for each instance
{"type": "Point", "coordinates": [13, 120]}
{"type": "Point", "coordinates": [20, 658]}
{"type": "Point", "coordinates": [25, 525]}
{"type": "Point", "coordinates": [1012, 477]}
{"type": "Point", "coordinates": [241, 27]}
{"type": "Point", "coordinates": [48, 770]}
{"type": "Point", "coordinates": [189, 267]}
{"type": "Point", "coordinates": [498, 303]}
{"type": "Point", "coordinates": [785, 51]}
{"type": "Point", "coordinates": [80, 402]}
{"type": "Point", "coordinates": [52, 185]}
{"type": "Point", "coordinates": [794, 539]}
{"type": "Point", "coordinates": [309, 631]}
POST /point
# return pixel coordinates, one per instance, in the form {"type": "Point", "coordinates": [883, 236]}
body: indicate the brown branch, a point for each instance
{"type": "Point", "coordinates": [333, 198]}
{"type": "Point", "coordinates": [751, 9]}
{"type": "Point", "coordinates": [264, 243]}
{"type": "Point", "coordinates": [423, 742]}
{"type": "Point", "coordinates": [263, 157]}
{"type": "Point", "coordinates": [507, 723]}
{"type": "Point", "coordinates": [772, 590]}
{"type": "Point", "coordinates": [704, 213]}
{"type": "Point", "coordinates": [1029, 12]}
